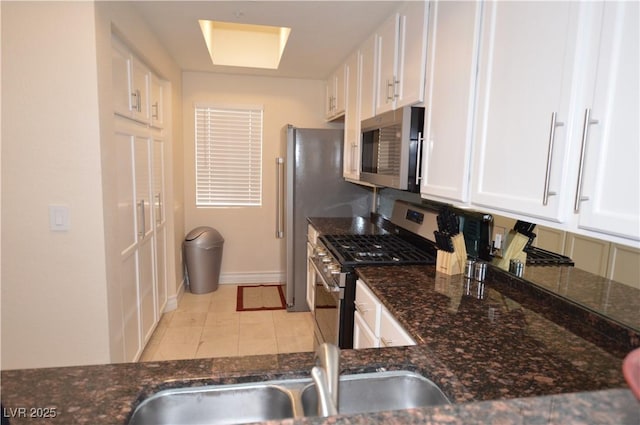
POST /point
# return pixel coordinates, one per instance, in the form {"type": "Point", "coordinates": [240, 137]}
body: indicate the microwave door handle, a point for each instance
{"type": "Point", "coordinates": [418, 157]}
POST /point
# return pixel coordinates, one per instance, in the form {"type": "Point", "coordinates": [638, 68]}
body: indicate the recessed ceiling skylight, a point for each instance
{"type": "Point", "coordinates": [252, 46]}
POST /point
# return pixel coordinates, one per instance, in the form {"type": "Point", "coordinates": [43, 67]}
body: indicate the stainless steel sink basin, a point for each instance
{"type": "Point", "coordinates": [376, 392]}
{"type": "Point", "coordinates": [281, 399]}
{"type": "Point", "coordinates": [219, 404]}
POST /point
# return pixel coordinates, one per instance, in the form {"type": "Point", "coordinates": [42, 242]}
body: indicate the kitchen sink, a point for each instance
{"type": "Point", "coordinates": [376, 392]}
{"type": "Point", "coordinates": [288, 398]}
{"type": "Point", "coordinates": [216, 404]}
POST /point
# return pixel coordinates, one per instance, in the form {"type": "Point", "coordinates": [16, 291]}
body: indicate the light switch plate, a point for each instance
{"type": "Point", "coordinates": [59, 218]}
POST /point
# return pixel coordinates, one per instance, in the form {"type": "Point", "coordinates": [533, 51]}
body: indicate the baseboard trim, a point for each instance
{"type": "Point", "coordinates": [174, 300]}
{"type": "Point", "coordinates": [258, 277]}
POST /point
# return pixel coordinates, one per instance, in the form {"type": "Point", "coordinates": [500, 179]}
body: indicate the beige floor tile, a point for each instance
{"type": "Point", "coordinates": [295, 344]}
{"type": "Point", "coordinates": [225, 306]}
{"type": "Point", "coordinates": [187, 318]}
{"type": "Point", "coordinates": [230, 319]}
{"type": "Point", "coordinates": [165, 319]}
{"type": "Point", "coordinates": [182, 335]}
{"type": "Point", "coordinates": [175, 351]}
{"type": "Point", "coordinates": [157, 335]}
{"type": "Point", "coordinates": [263, 316]}
{"type": "Point", "coordinates": [218, 342]}
{"type": "Point", "coordinates": [259, 330]}
{"type": "Point", "coordinates": [251, 346]}
{"type": "Point", "coordinates": [219, 333]}
{"type": "Point", "coordinates": [216, 349]}
{"type": "Point", "coordinates": [149, 352]}
{"type": "Point", "coordinates": [207, 325]}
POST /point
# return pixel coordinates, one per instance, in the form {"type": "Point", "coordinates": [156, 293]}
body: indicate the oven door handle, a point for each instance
{"type": "Point", "coordinates": [329, 288]}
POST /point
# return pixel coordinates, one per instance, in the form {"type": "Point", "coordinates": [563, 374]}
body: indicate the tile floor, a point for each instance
{"type": "Point", "coordinates": [208, 325]}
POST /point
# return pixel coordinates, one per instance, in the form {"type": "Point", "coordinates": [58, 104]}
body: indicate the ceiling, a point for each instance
{"type": "Point", "coordinates": [323, 33]}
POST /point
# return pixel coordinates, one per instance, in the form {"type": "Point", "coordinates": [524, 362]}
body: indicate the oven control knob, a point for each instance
{"type": "Point", "coordinates": [326, 259]}
{"type": "Point", "coordinates": [335, 271]}
{"type": "Point", "coordinates": [321, 252]}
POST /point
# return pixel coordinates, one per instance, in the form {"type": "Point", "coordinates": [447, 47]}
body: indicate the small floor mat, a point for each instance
{"type": "Point", "coordinates": [260, 297]}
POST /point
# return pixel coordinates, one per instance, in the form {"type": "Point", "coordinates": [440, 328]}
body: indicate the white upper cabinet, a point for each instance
{"type": "Point", "coordinates": [121, 78]}
{"type": "Point", "coordinates": [336, 93]}
{"type": "Point", "coordinates": [454, 31]}
{"type": "Point", "coordinates": [529, 63]}
{"type": "Point", "coordinates": [401, 53]}
{"type": "Point", "coordinates": [387, 57]}
{"type": "Point", "coordinates": [610, 138]}
{"type": "Point", "coordinates": [557, 126]}
{"type": "Point", "coordinates": [351, 159]}
{"type": "Point", "coordinates": [368, 78]}
{"type": "Point", "coordinates": [137, 93]}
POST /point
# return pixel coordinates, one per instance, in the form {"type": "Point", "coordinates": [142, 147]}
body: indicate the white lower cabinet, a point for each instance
{"type": "Point", "coordinates": [312, 240]}
{"type": "Point", "coordinates": [363, 336]}
{"type": "Point", "coordinates": [392, 334]}
{"type": "Point", "coordinates": [374, 326]}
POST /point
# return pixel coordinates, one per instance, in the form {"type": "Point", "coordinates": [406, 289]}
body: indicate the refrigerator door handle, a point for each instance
{"type": "Point", "coordinates": [279, 198]}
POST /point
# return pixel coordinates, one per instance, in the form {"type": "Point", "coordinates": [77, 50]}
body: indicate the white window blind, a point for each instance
{"type": "Point", "coordinates": [228, 156]}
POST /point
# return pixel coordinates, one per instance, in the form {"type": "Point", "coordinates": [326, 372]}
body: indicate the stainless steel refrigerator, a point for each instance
{"type": "Point", "coordinates": [311, 185]}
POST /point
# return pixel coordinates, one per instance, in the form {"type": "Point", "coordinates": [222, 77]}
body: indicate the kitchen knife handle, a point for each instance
{"type": "Point", "coordinates": [585, 136]}
{"type": "Point", "coordinates": [279, 198]}
{"type": "Point", "coordinates": [547, 177]}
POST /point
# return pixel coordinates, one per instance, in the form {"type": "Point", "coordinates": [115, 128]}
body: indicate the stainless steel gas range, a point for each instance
{"type": "Point", "coordinates": [335, 257]}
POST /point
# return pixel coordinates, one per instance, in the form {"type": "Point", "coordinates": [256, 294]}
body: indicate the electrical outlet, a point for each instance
{"type": "Point", "coordinates": [498, 240]}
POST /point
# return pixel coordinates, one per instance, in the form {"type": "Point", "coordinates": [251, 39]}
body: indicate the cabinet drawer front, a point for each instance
{"type": "Point", "coordinates": [368, 306]}
{"type": "Point", "coordinates": [392, 334]}
{"type": "Point", "coordinates": [363, 336]}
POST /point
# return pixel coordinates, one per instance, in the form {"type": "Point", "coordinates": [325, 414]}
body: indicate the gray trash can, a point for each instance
{"type": "Point", "coordinates": [203, 255]}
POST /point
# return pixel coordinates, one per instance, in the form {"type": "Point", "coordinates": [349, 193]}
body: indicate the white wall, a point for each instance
{"type": "Point", "coordinates": [251, 252]}
{"type": "Point", "coordinates": [54, 310]}
{"type": "Point", "coordinates": [58, 121]}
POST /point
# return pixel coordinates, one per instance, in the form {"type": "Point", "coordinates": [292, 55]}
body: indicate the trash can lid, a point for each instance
{"type": "Point", "coordinates": [205, 235]}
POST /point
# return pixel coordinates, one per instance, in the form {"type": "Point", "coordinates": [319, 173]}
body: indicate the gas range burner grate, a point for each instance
{"type": "Point", "coordinates": [359, 250]}
{"type": "Point", "coordinates": [541, 257]}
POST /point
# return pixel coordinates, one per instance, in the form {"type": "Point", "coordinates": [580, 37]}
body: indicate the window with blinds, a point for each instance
{"type": "Point", "coordinates": [228, 156]}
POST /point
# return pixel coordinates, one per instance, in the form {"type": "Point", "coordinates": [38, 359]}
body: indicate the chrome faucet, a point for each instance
{"type": "Point", "coordinates": [325, 375]}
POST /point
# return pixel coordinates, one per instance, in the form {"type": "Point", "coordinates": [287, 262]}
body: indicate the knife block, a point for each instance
{"type": "Point", "coordinates": [515, 246]}
{"type": "Point", "coordinates": [451, 263]}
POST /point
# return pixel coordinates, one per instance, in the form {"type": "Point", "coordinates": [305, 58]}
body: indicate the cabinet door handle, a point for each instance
{"type": "Point", "coordinates": [418, 158]}
{"type": "Point", "coordinates": [360, 307]}
{"type": "Point", "coordinates": [155, 115]}
{"type": "Point", "coordinates": [396, 93]}
{"type": "Point", "coordinates": [386, 342]}
{"type": "Point", "coordinates": [136, 100]}
{"type": "Point", "coordinates": [391, 89]}
{"type": "Point", "coordinates": [547, 177]}
{"type": "Point", "coordinates": [585, 136]}
{"type": "Point", "coordinates": [279, 198]}
{"type": "Point", "coordinates": [159, 206]}
{"type": "Point", "coordinates": [354, 157]}
{"type": "Point", "coordinates": [143, 228]}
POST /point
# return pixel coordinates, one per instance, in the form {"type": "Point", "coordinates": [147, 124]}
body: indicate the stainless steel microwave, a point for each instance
{"type": "Point", "coordinates": [391, 149]}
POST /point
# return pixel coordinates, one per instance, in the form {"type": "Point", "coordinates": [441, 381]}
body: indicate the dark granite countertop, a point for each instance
{"type": "Point", "coordinates": [511, 357]}
{"type": "Point", "coordinates": [345, 226]}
